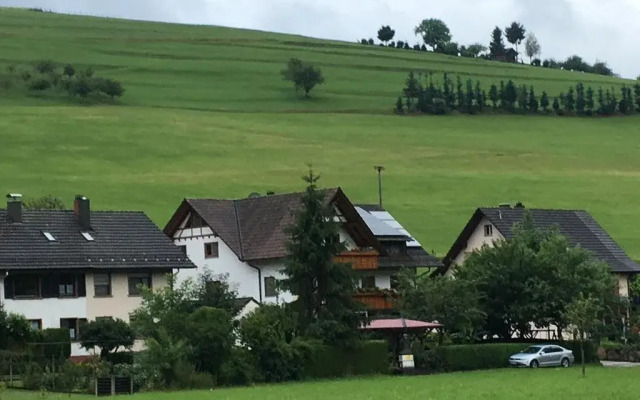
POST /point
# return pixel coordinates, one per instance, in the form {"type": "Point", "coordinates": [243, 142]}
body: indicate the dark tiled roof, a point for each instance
{"type": "Point", "coordinates": [577, 226]}
{"type": "Point", "coordinates": [122, 240]}
{"type": "Point", "coordinates": [256, 228]}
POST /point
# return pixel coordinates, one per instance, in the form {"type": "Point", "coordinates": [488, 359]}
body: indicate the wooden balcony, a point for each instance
{"type": "Point", "coordinates": [359, 260]}
{"type": "Point", "coordinates": [376, 300]}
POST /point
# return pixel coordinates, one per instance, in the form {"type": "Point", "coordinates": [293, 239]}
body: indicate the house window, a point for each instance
{"type": "Point", "coordinates": [74, 325]}
{"type": "Point", "coordinates": [334, 238]}
{"type": "Point", "coordinates": [211, 250]}
{"type": "Point", "coordinates": [488, 230]}
{"type": "Point", "coordinates": [26, 286]}
{"type": "Point", "coordinates": [368, 282]}
{"type": "Point", "coordinates": [101, 285]}
{"type": "Point", "coordinates": [67, 285]}
{"type": "Point", "coordinates": [270, 287]}
{"type": "Point", "coordinates": [183, 249]}
{"type": "Point", "coordinates": [36, 324]}
{"type": "Point", "coordinates": [137, 281]}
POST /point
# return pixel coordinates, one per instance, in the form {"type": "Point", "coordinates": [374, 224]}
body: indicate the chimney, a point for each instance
{"type": "Point", "coordinates": [82, 211]}
{"type": "Point", "coordinates": [14, 208]}
{"type": "Point", "coordinates": [504, 205]}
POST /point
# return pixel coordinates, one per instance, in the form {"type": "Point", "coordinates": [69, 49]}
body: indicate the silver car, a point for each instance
{"type": "Point", "coordinates": [545, 355]}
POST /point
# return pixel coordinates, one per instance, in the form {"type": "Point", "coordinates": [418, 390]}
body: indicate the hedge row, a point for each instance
{"type": "Point", "coordinates": [489, 356]}
{"type": "Point", "coordinates": [369, 358]}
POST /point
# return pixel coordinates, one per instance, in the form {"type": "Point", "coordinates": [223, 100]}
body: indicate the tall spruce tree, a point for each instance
{"type": "Point", "coordinates": [523, 99]}
{"type": "Point", "coordinates": [556, 106]}
{"type": "Point", "coordinates": [544, 102]}
{"type": "Point", "coordinates": [459, 94]}
{"type": "Point", "coordinates": [569, 101]}
{"type": "Point", "coordinates": [469, 98]}
{"type": "Point", "coordinates": [324, 288]}
{"type": "Point", "coordinates": [411, 91]}
{"type": "Point", "coordinates": [589, 101]}
{"type": "Point", "coordinates": [503, 95]}
{"type": "Point", "coordinates": [496, 47]}
{"type": "Point", "coordinates": [580, 101]}
{"type": "Point", "coordinates": [494, 96]}
{"type": "Point", "coordinates": [510, 96]}
{"type": "Point", "coordinates": [449, 94]}
{"type": "Point", "coordinates": [601, 102]}
{"type": "Point", "coordinates": [636, 92]}
{"type": "Point", "coordinates": [480, 97]}
{"type": "Point", "coordinates": [624, 102]}
{"type": "Point", "coordinates": [533, 101]}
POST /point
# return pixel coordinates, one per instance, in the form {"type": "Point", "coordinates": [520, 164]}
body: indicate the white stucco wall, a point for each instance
{"type": "Point", "coordinates": [120, 304]}
{"type": "Point", "coordinates": [48, 310]}
{"type": "Point", "coordinates": [247, 309]}
{"type": "Point", "coordinates": [241, 276]}
{"type": "Point", "coordinates": [475, 242]}
{"type": "Point", "coordinates": [623, 284]}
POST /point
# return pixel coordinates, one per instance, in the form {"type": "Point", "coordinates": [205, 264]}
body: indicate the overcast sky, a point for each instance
{"type": "Point", "coordinates": [594, 29]}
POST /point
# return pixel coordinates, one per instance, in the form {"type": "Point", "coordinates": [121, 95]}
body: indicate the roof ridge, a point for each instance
{"type": "Point", "coordinates": [261, 196]}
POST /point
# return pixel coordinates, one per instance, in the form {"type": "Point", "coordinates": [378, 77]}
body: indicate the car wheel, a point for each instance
{"type": "Point", "coordinates": [565, 363]}
{"type": "Point", "coordinates": [534, 364]}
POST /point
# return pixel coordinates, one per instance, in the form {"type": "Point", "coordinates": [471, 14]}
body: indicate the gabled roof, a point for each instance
{"type": "Point", "coordinates": [255, 228]}
{"type": "Point", "coordinates": [578, 226]}
{"type": "Point", "coordinates": [121, 240]}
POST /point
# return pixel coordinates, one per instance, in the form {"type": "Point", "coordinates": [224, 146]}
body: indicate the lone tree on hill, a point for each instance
{"type": "Point", "coordinates": [386, 33]}
{"type": "Point", "coordinates": [435, 33]}
{"type": "Point", "coordinates": [496, 47]}
{"type": "Point", "coordinates": [532, 46]}
{"type": "Point", "coordinates": [324, 289]}
{"type": "Point", "coordinates": [515, 34]}
{"type": "Point", "coordinates": [304, 76]}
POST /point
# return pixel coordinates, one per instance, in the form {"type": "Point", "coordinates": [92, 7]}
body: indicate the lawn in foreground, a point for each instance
{"type": "Point", "coordinates": [510, 384]}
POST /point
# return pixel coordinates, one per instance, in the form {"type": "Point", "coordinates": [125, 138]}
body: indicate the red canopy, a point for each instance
{"type": "Point", "coordinates": [400, 323]}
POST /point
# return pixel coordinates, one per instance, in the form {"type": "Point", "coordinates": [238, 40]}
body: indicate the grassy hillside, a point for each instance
{"type": "Point", "coordinates": [207, 114]}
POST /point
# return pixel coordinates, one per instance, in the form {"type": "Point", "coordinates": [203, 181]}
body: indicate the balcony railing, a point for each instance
{"type": "Point", "coordinates": [359, 260]}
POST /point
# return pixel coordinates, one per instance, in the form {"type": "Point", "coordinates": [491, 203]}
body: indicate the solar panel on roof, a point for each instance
{"type": "Point", "coordinates": [49, 236]}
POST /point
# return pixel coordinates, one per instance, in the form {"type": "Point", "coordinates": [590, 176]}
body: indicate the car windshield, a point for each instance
{"type": "Point", "coordinates": [532, 350]}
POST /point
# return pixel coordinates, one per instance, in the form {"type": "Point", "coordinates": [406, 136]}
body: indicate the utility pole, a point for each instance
{"type": "Point", "coordinates": [379, 168]}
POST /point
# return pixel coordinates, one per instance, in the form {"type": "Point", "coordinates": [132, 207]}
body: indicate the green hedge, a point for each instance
{"type": "Point", "coordinates": [329, 361]}
{"type": "Point", "coordinates": [476, 356]}
{"type": "Point", "coordinates": [490, 356]}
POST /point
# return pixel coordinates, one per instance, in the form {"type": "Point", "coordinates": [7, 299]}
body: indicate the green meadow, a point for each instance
{"type": "Point", "coordinates": [206, 113]}
{"type": "Point", "coordinates": [600, 384]}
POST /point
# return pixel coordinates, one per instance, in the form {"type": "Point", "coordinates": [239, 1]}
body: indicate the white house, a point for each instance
{"type": "Point", "coordinates": [62, 268]}
{"type": "Point", "coordinates": [490, 225]}
{"type": "Point", "coordinates": [246, 239]}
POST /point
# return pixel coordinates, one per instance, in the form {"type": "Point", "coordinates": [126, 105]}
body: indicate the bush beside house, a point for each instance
{"type": "Point", "coordinates": [369, 358]}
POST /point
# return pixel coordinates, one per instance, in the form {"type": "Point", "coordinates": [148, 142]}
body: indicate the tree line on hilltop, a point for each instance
{"type": "Point", "coordinates": [422, 94]}
{"type": "Point", "coordinates": [437, 37]}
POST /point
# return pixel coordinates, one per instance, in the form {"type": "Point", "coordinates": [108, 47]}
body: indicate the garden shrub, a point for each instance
{"type": "Point", "coordinates": [238, 369]}
{"type": "Point", "coordinates": [368, 358]}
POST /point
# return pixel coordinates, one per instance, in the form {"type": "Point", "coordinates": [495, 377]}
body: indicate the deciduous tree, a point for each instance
{"type": "Point", "coordinates": [303, 75]}
{"type": "Point", "coordinates": [108, 334]}
{"type": "Point", "coordinates": [532, 47]}
{"type": "Point", "coordinates": [435, 33]}
{"type": "Point", "coordinates": [385, 33]}
{"type": "Point", "coordinates": [515, 34]}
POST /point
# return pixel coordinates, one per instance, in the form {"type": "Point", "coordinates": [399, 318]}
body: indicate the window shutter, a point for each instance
{"type": "Point", "coordinates": [82, 285]}
{"type": "Point", "coordinates": [8, 287]}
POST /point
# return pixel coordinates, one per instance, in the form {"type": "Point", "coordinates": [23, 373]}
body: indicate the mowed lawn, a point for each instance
{"type": "Point", "coordinates": [206, 113]}
{"type": "Point", "coordinates": [600, 384]}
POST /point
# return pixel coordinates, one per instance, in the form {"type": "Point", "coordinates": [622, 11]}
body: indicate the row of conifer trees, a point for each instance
{"type": "Point", "coordinates": [422, 94]}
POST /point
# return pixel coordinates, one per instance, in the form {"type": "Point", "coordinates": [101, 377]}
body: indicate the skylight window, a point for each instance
{"type": "Point", "coordinates": [88, 236]}
{"type": "Point", "coordinates": [49, 236]}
